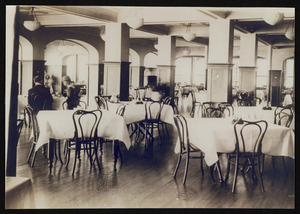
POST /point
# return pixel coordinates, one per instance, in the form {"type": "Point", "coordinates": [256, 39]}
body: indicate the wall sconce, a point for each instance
{"type": "Point", "coordinates": [34, 24]}
{"type": "Point", "coordinates": [290, 34]}
{"type": "Point", "coordinates": [272, 18]}
{"type": "Point", "coordinates": [186, 51]}
{"type": "Point", "coordinates": [188, 36]}
{"type": "Point", "coordinates": [135, 20]}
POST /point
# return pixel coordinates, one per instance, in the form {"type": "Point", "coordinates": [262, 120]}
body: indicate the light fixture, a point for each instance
{"type": "Point", "coordinates": [272, 18]}
{"type": "Point", "coordinates": [290, 34]}
{"type": "Point", "coordinates": [135, 20]}
{"type": "Point", "coordinates": [188, 36]}
{"type": "Point", "coordinates": [34, 24]}
{"type": "Point", "coordinates": [156, 46]}
{"type": "Point", "coordinates": [103, 35]}
{"type": "Point", "coordinates": [62, 47]}
{"type": "Point", "coordinates": [186, 51]}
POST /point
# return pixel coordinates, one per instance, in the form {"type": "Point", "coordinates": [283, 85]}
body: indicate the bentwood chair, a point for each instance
{"type": "Point", "coordinates": [247, 133]}
{"type": "Point", "coordinates": [101, 102]}
{"type": "Point", "coordinates": [36, 132]}
{"type": "Point", "coordinates": [227, 108]}
{"type": "Point", "coordinates": [195, 103]}
{"type": "Point", "coordinates": [206, 105]}
{"type": "Point", "coordinates": [85, 136]}
{"type": "Point", "coordinates": [152, 119]}
{"type": "Point", "coordinates": [283, 116]}
{"type": "Point", "coordinates": [20, 123]}
{"type": "Point", "coordinates": [187, 149]}
{"type": "Point", "coordinates": [214, 113]}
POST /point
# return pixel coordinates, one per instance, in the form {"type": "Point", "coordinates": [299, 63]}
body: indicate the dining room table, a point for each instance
{"type": "Point", "coordinates": [258, 113]}
{"type": "Point", "coordinates": [57, 125]}
{"type": "Point", "coordinates": [216, 135]}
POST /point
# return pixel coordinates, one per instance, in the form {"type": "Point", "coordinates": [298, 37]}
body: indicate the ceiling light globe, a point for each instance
{"type": "Point", "coordinates": [272, 18]}
{"type": "Point", "coordinates": [135, 22]}
{"type": "Point", "coordinates": [32, 25]}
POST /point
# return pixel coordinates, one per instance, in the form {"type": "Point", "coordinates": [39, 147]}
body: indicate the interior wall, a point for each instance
{"type": "Point", "coordinates": [279, 55]}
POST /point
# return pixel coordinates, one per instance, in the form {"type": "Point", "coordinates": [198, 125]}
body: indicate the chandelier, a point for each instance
{"type": "Point", "coordinates": [290, 34]}
{"type": "Point", "coordinates": [135, 20]}
{"type": "Point", "coordinates": [272, 18]}
{"type": "Point", "coordinates": [188, 36]}
{"type": "Point", "coordinates": [34, 24]}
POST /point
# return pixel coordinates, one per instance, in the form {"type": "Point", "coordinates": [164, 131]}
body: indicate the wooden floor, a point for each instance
{"type": "Point", "coordinates": [145, 180]}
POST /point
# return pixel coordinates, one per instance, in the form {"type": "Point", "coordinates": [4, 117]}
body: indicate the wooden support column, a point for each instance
{"type": "Point", "coordinates": [247, 64]}
{"type": "Point", "coordinates": [219, 74]}
{"type": "Point", "coordinates": [166, 63]}
{"type": "Point", "coordinates": [116, 63]}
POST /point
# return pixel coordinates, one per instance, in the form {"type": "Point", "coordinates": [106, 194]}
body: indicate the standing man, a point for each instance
{"type": "Point", "coordinates": [39, 97]}
{"type": "Point", "coordinates": [72, 93]}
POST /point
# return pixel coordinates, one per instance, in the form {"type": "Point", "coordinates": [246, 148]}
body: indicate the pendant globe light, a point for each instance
{"type": "Point", "coordinates": [188, 36]}
{"type": "Point", "coordinates": [272, 18]}
{"type": "Point", "coordinates": [186, 51]}
{"type": "Point", "coordinates": [290, 34]}
{"type": "Point", "coordinates": [34, 24]}
{"type": "Point", "coordinates": [135, 20]}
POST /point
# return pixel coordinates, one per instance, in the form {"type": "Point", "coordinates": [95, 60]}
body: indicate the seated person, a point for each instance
{"type": "Point", "coordinates": [72, 93]}
{"type": "Point", "coordinates": [39, 97]}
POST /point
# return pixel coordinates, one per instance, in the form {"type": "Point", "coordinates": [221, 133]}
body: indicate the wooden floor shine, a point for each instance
{"type": "Point", "coordinates": [145, 180]}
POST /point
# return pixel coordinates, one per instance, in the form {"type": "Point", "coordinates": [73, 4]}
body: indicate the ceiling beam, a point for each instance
{"type": "Point", "coordinates": [97, 13]}
{"type": "Point", "coordinates": [155, 29]}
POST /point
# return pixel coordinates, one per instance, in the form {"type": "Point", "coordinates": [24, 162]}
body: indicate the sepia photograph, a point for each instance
{"type": "Point", "coordinates": [139, 107]}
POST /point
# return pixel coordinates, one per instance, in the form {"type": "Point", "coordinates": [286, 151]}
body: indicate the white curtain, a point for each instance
{"type": "Point", "coordinates": [10, 19]}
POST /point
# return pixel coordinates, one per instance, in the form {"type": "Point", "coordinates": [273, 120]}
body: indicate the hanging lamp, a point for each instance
{"type": "Point", "coordinates": [135, 20]}
{"type": "Point", "coordinates": [34, 24]}
{"type": "Point", "coordinates": [272, 17]}
{"type": "Point", "coordinates": [290, 34]}
{"type": "Point", "coordinates": [188, 36]}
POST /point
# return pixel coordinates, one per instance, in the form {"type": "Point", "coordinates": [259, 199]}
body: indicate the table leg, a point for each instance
{"type": "Point", "coordinates": [116, 150]}
{"type": "Point", "coordinates": [50, 153]}
{"type": "Point", "coordinates": [59, 155]}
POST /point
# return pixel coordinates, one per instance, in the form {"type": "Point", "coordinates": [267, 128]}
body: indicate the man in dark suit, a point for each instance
{"type": "Point", "coordinates": [39, 97]}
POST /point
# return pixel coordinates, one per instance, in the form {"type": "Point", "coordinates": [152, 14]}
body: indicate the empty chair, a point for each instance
{"type": "Point", "coordinates": [85, 136]}
{"type": "Point", "coordinates": [247, 133]}
{"type": "Point", "coordinates": [152, 119]}
{"type": "Point", "coordinates": [171, 101]}
{"type": "Point", "coordinates": [195, 103]}
{"type": "Point", "coordinates": [283, 116]}
{"type": "Point", "coordinates": [214, 113]}
{"type": "Point", "coordinates": [101, 102]}
{"type": "Point", "coordinates": [130, 97]}
{"type": "Point", "coordinates": [20, 123]}
{"type": "Point", "coordinates": [206, 105]}
{"type": "Point", "coordinates": [227, 108]}
{"type": "Point", "coordinates": [36, 131]}
{"type": "Point", "coordinates": [81, 104]}
{"type": "Point", "coordinates": [187, 149]}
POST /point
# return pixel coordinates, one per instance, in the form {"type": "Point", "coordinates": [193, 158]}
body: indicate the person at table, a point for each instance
{"type": "Point", "coordinates": [72, 93]}
{"type": "Point", "coordinates": [39, 97]}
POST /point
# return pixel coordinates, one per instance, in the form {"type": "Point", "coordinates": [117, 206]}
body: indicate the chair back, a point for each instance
{"type": "Point", "coordinates": [86, 124]}
{"type": "Point", "coordinates": [227, 108]}
{"type": "Point", "coordinates": [34, 123]}
{"type": "Point", "coordinates": [249, 137]}
{"type": "Point", "coordinates": [153, 110]}
{"type": "Point", "coordinates": [82, 104]}
{"type": "Point", "coordinates": [206, 105]}
{"type": "Point", "coordinates": [167, 100]}
{"type": "Point", "coordinates": [120, 110]}
{"type": "Point", "coordinates": [193, 96]}
{"type": "Point", "coordinates": [214, 113]}
{"type": "Point", "coordinates": [101, 102]}
{"type": "Point", "coordinates": [283, 116]}
{"type": "Point", "coordinates": [65, 105]}
{"type": "Point", "coordinates": [183, 133]}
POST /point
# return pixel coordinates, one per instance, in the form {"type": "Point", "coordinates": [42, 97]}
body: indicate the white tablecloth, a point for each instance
{"type": "Point", "coordinates": [59, 125]}
{"type": "Point", "coordinates": [214, 135]}
{"type": "Point", "coordinates": [136, 112]}
{"type": "Point", "coordinates": [257, 113]}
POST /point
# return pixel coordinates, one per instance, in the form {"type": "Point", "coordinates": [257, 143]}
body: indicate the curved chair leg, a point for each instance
{"type": "Point", "coordinates": [201, 162]}
{"type": "Point", "coordinates": [284, 167]}
{"type": "Point", "coordinates": [186, 168]}
{"type": "Point", "coordinates": [96, 155]}
{"type": "Point", "coordinates": [30, 153]}
{"type": "Point", "coordinates": [260, 176]}
{"type": "Point", "coordinates": [262, 164]}
{"type": "Point", "coordinates": [68, 154]}
{"type": "Point", "coordinates": [33, 159]}
{"type": "Point", "coordinates": [177, 165]}
{"type": "Point", "coordinates": [235, 173]}
{"type": "Point", "coordinates": [220, 172]}
{"type": "Point", "coordinates": [75, 161]}
{"type": "Point", "coordinates": [228, 167]}
{"type": "Point", "coordinates": [211, 168]}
